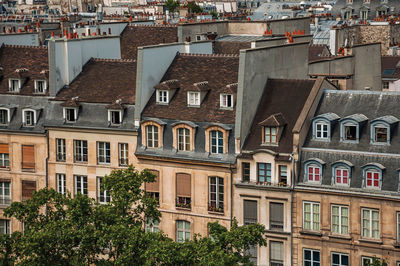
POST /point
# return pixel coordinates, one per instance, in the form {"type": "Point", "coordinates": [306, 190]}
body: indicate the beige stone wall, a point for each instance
{"type": "Point", "coordinates": [15, 173]}
{"type": "Point", "coordinates": [352, 244]}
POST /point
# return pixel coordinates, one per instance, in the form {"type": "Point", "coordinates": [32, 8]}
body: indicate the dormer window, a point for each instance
{"type": "Point", "coordinates": [373, 175]}
{"type": "Point", "coordinates": [226, 100]}
{"type": "Point", "coordinates": [193, 98]}
{"type": "Point", "coordinates": [162, 96]}
{"type": "Point", "coordinates": [350, 127]}
{"type": "Point", "coordinates": [381, 129]}
{"type": "Point", "coordinates": [272, 129]}
{"type": "Point", "coordinates": [70, 114]}
{"type": "Point", "coordinates": [350, 132]}
{"type": "Point", "coordinates": [152, 136]}
{"type": "Point", "coordinates": [313, 171]}
{"type": "Point", "coordinates": [14, 85]}
{"type": "Point", "coordinates": [217, 142]}
{"type": "Point", "coordinates": [183, 139]}
{"type": "Point", "coordinates": [29, 118]}
{"type": "Point", "coordinates": [342, 173]}
{"type": "Point", "coordinates": [381, 134]}
{"type": "Point", "coordinates": [40, 86]}
{"type": "Point", "coordinates": [322, 125]}
{"type": "Point", "coordinates": [4, 117]}
{"type": "Point", "coordinates": [270, 135]}
{"type": "Point", "coordinates": [321, 130]}
{"type": "Point", "coordinates": [115, 117]}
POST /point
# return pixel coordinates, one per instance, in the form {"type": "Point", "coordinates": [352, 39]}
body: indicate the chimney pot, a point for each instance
{"type": "Point", "coordinates": [109, 31]}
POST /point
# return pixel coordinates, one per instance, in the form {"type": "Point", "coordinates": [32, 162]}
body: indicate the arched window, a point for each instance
{"type": "Point", "coordinates": [152, 136]}
{"type": "Point", "coordinates": [216, 142]}
{"type": "Point", "coordinates": [341, 172]}
{"type": "Point", "coordinates": [183, 139]}
{"type": "Point", "coordinates": [313, 170]}
{"type": "Point", "coordinates": [373, 175]}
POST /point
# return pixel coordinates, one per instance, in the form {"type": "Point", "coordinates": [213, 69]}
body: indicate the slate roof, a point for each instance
{"type": "Point", "coordinates": [359, 4]}
{"type": "Point", "coordinates": [103, 81]}
{"type": "Point", "coordinates": [135, 36]}
{"type": "Point", "coordinates": [390, 68]}
{"type": "Point", "coordinates": [372, 105]}
{"type": "Point", "coordinates": [317, 52]}
{"type": "Point", "coordinates": [283, 97]}
{"type": "Point", "coordinates": [33, 60]}
{"type": "Point", "coordinates": [218, 70]}
{"type": "Point", "coordinates": [229, 47]}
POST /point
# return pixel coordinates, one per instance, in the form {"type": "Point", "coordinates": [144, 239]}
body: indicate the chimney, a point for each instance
{"type": "Point", "coordinates": [109, 31]}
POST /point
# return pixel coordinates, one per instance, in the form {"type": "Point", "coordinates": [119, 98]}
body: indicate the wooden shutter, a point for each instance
{"type": "Point", "coordinates": [28, 157]}
{"type": "Point", "coordinates": [183, 185]}
{"type": "Point", "coordinates": [27, 189]}
{"type": "Point", "coordinates": [4, 148]}
{"type": "Point", "coordinates": [153, 186]}
{"type": "Point", "coordinates": [250, 211]}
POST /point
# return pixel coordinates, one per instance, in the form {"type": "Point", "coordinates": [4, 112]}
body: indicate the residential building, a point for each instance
{"type": "Point", "coordinates": [364, 9]}
{"type": "Point", "coordinates": [390, 73]}
{"type": "Point", "coordinates": [346, 198]}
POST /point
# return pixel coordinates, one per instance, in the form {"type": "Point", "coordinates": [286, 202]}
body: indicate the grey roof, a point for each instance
{"type": "Point", "coordinates": [241, 38]}
{"type": "Point", "coordinates": [357, 5]}
{"type": "Point", "coordinates": [328, 116]}
{"type": "Point", "coordinates": [356, 117]}
{"type": "Point", "coordinates": [388, 119]}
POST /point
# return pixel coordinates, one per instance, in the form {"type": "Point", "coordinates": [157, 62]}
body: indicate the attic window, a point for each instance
{"type": "Point", "coordinates": [115, 117]}
{"type": "Point", "coordinates": [270, 135]}
{"type": "Point", "coordinates": [40, 86]}
{"type": "Point", "coordinates": [381, 134]}
{"type": "Point", "coordinates": [193, 98]}
{"type": "Point", "coordinates": [14, 85]}
{"type": "Point", "coordinates": [70, 114]}
{"type": "Point", "coordinates": [29, 118]}
{"type": "Point", "coordinates": [350, 132]}
{"type": "Point", "coordinates": [226, 100]}
{"type": "Point", "coordinates": [4, 117]}
{"type": "Point", "coordinates": [162, 96]}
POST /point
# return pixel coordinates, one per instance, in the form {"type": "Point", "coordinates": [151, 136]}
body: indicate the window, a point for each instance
{"type": "Point", "coordinates": [152, 225]}
{"type": "Point", "coordinates": [4, 156]}
{"type": "Point", "coordinates": [70, 114]}
{"type": "Point", "coordinates": [313, 173]}
{"type": "Point", "coordinates": [270, 135]}
{"type": "Point", "coordinates": [28, 118]}
{"type": "Point", "coordinates": [103, 152]}
{"type": "Point", "coordinates": [102, 194]}
{"type": "Point", "coordinates": [80, 151]}
{"type": "Point", "coordinates": [370, 223]}
{"type": "Point", "coordinates": [385, 85]}
{"type": "Point", "coordinates": [193, 98]}
{"type": "Point", "coordinates": [4, 117]}
{"type": "Point", "coordinates": [282, 174]}
{"type": "Point", "coordinates": [311, 257]}
{"type": "Point", "coordinates": [216, 196]}
{"type": "Point", "coordinates": [14, 85]}
{"type": "Point", "coordinates": [60, 150]}
{"type": "Point", "coordinates": [115, 117]}
{"type": "Point", "coordinates": [183, 139]}
{"type": "Point", "coordinates": [339, 259]}
{"type": "Point", "coordinates": [276, 216]}
{"type": "Point", "coordinates": [246, 172]}
{"type": "Point", "coordinates": [366, 261]}
{"type": "Point", "coordinates": [249, 212]}
{"type": "Point", "coordinates": [40, 86]}
{"type": "Point", "coordinates": [373, 179]}
{"type": "Point", "coordinates": [276, 253]}
{"type": "Point", "coordinates": [182, 231]}
{"type": "Point", "coordinates": [226, 101]}
{"type": "Point", "coordinates": [152, 136]}
{"type": "Point", "coordinates": [162, 96]}
{"type": "Point", "coordinates": [81, 184]}
{"type": "Point", "coordinates": [350, 132]}
{"type": "Point", "coordinates": [311, 216]}
{"type": "Point", "coordinates": [153, 188]}
{"type": "Point", "coordinates": [61, 184]}
{"type": "Point", "coordinates": [321, 130]}
{"type": "Point", "coordinates": [5, 193]}
{"type": "Point", "coordinates": [4, 227]}
{"type": "Point", "coordinates": [264, 172]}
{"type": "Point", "coordinates": [380, 134]}
{"type": "Point", "coordinates": [123, 154]}
{"type": "Point", "coordinates": [217, 142]}
{"type": "Point", "coordinates": [340, 219]}
{"type": "Point", "coordinates": [341, 176]}
{"type": "Point", "coordinates": [28, 187]}
{"type": "Point", "coordinates": [398, 227]}
{"type": "Point", "coordinates": [183, 191]}
{"type": "Point", "coordinates": [28, 157]}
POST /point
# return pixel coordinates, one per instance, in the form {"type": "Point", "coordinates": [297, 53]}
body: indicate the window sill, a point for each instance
{"type": "Point", "coordinates": [84, 163]}
{"type": "Point", "coordinates": [311, 233]}
{"type": "Point", "coordinates": [344, 237]}
{"type": "Point", "coordinates": [370, 240]}
{"type": "Point", "coordinates": [5, 169]}
{"type": "Point", "coordinates": [216, 213]}
{"type": "Point", "coordinates": [183, 208]}
{"type": "Point", "coordinates": [276, 231]}
{"type": "Point", "coordinates": [28, 170]}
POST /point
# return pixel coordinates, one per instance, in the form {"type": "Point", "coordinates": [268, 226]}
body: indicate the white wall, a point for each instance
{"type": "Point", "coordinates": [30, 39]}
{"type": "Point", "coordinates": [153, 62]}
{"type": "Point", "coordinates": [394, 85]}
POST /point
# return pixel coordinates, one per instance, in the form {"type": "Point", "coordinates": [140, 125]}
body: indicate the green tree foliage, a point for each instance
{"type": "Point", "coordinates": [214, 14]}
{"type": "Point", "coordinates": [194, 8]}
{"type": "Point", "coordinates": [377, 262]}
{"type": "Point", "coordinates": [66, 230]}
{"type": "Point", "coordinates": [171, 5]}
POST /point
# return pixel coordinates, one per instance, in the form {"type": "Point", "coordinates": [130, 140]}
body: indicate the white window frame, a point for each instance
{"type": "Point", "coordinates": [275, 261]}
{"type": "Point", "coordinates": [349, 123]}
{"type": "Point", "coordinates": [24, 117]}
{"type": "Point", "coordinates": [60, 150]}
{"type": "Point", "coordinates": [184, 230]}
{"type": "Point", "coordinates": [224, 102]}
{"type": "Point", "coordinates": [312, 215]}
{"type": "Point", "coordinates": [153, 141]}
{"type": "Point", "coordinates": [106, 158]}
{"type": "Point", "coordinates": [162, 96]}
{"type": "Point", "coordinates": [365, 258]}
{"type": "Point", "coordinates": [7, 118]}
{"type": "Point", "coordinates": [185, 134]}
{"type": "Point", "coordinates": [4, 157]}
{"type": "Point", "coordinates": [4, 198]}
{"type": "Point", "coordinates": [152, 226]}
{"type": "Point", "coordinates": [61, 183]}
{"type": "Point", "coordinates": [102, 194]}
{"type": "Point", "coordinates": [314, 166]}
{"type": "Point", "coordinates": [7, 226]}
{"type": "Point", "coordinates": [83, 180]}
{"type": "Point", "coordinates": [370, 230]}
{"type": "Point", "coordinates": [81, 151]}
{"type": "Point", "coordinates": [75, 114]}
{"type": "Point", "coordinates": [312, 256]}
{"type": "Point", "coordinates": [44, 88]}
{"type": "Point", "coordinates": [193, 98]}
{"type": "Point", "coordinates": [11, 85]}
{"type": "Point", "coordinates": [340, 214]}
{"type": "Point", "coordinates": [123, 152]}
{"type": "Point", "coordinates": [110, 117]}
{"type": "Point", "coordinates": [217, 146]}
{"type": "Point", "coordinates": [373, 171]}
{"type": "Point", "coordinates": [341, 168]}
{"type": "Point", "coordinates": [340, 258]}
{"type": "Point", "coordinates": [376, 125]}
{"type": "Point", "coordinates": [219, 204]}
{"type": "Point", "coordinates": [319, 132]}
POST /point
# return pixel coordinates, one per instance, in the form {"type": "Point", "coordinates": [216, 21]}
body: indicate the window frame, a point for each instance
{"type": "Point", "coordinates": [184, 231]}
{"type": "Point", "coordinates": [366, 258]}
{"type": "Point", "coordinates": [123, 154]}
{"type": "Point", "coordinates": [7, 116]}
{"type": "Point", "coordinates": [152, 226]}
{"type": "Point", "coordinates": [5, 200]}
{"type": "Point", "coordinates": [44, 87]}
{"type": "Point", "coordinates": [370, 229]}
{"type": "Point", "coordinates": [83, 181]}
{"type": "Point", "coordinates": [315, 165]}
{"type": "Point", "coordinates": [372, 169]}
{"type": "Point", "coordinates": [106, 157]}
{"type": "Point", "coordinates": [154, 141]}
{"type": "Point", "coordinates": [280, 172]}
{"type": "Point", "coordinates": [224, 104]}
{"type": "Point", "coordinates": [343, 167]}
{"type": "Point", "coordinates": [244, 171]}
{"type": "Point", "coordinates": [276, 262]}
{"type": "Point", "coordinates": [193, 98]}
{"type": "Point", "coordinates": [276, 226]}
{"type": "Point", "coordinates": [347, 123]}
{"type": "Point", "coordinates": [111, 117]}
{"type": "Point", "coordinates": [60, 150]}
{"type": "Point", "coordinates": [340, 215]}
{"type": "Point", "coordinates": [311, 261]}
{"type": "Point", "coordinates": [340, 258]}
{"type": "Point", "coordinates": [61, 187]}
{"type": "Point", "coordinates": [103, 196]}
{"type": "Point", "coordinates": [186, 137]}
{"type": "Point", "coordinates": [11, 85]}
{"type": "Point", "coordinates": [82, 149]}
{"type": "Point", "coordinates": [7, 226]}
{"type": "Point", "coordinates": [267, 129]}
{"type": "Point", "coordinates": [165, 97]}
{"type": "Point", "coordinates": [268, 167]}
{"type": "Point", "coordinates": [66, 114]}
{"type": "Point", "coordinates": [219, 136]}
{"type": "Point", "coordinates": [5, 158]}
{"type": "Point", "coordinates": [219, 203]}
{"type": "Point", "coordinates": [373, 128]}
{"type": "Point", "coordinates": [25, 117]}
{"type": "Point", "coordinates": [398, 226]}
{"type": "Point", "coordinates": [312, 203]}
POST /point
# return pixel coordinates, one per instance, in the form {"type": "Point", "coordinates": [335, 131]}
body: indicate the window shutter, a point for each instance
{"type": "Point", "coordinates": [153, 186]}
{"type": "Point", "coordinates": [27, 189]}
{"type": "Point", "coordinates": [183, 186]}
{"type": "Point", "coordinates": [28, 156]}
{"type": "Point", "coordinates": [250, 211]}
{"type": "Point", "coordinates": [276, 212]}
{"type": "Point", "coordinates": [4, 148]}
{"type": "Point", "coordinates": [276, 251]}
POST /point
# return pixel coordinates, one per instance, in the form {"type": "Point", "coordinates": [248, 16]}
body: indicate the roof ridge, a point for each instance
{"type": "Point", "coordinates": [292, 79]}
{"type": "Point", "coordinates": [25, 46]}
{"type": "Point", "coordinates": [152, 26]}
{"type": "Point", "coordinates": [113, 60]}
{"type": "Point", "coordinates": [208, 55]}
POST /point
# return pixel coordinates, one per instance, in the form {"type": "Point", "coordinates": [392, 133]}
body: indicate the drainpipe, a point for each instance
{"type": "Point", "coordinates": [230, 169]}
{"type": "Point", "coordinates": [47, 159]}
{"type": "Point", "coordinates": [291, 209]}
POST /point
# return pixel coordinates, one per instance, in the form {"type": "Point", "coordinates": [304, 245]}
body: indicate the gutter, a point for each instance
{"type": "Point", "coordinates": [47, 159]}
{"type": "Point", "coordinates": [291, 209]}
